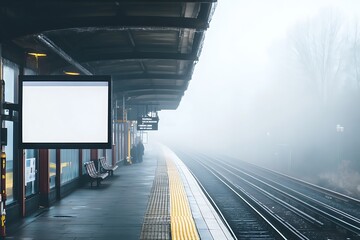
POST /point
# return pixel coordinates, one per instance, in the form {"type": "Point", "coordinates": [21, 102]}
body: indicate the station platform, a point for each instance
{"type": "Point", "coordinates": [155, 199]}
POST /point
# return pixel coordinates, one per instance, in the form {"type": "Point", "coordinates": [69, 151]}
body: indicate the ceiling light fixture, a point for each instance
{"type": "Point", "coordinates": [37, 55]}
{"type": "Point", "coordinates": [72, 73]}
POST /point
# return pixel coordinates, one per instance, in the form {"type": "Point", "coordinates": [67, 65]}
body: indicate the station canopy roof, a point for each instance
{"type": "Point", "coordinates": [150, 48]}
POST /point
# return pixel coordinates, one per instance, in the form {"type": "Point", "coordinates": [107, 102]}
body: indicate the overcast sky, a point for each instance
{"type": "Point", "coordinates": [234, 63]}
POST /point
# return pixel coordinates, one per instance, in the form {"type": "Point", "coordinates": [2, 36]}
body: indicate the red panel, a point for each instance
{"type": "Point", "coordinates": [44, 186]}
{"type": "Point", "coordinates": [94, 154]}
{"type": "Point", "coordinates": [44, 171]}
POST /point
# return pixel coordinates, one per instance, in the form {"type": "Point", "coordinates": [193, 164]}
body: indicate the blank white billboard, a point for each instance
{"type": "Point", "coordinates": [69, 113]}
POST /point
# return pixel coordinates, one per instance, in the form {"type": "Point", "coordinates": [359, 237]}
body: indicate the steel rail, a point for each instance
{"type": "Point", "coordinates": [326, 191]}
{"type": "Point", "coordinates": [295, 210]}
{"type": "Point", "coordinates": [334, 215]}
{"type": "Point", "coordinates": [264, 212]}
{"type": "Point", "coordinates": [341, 213]}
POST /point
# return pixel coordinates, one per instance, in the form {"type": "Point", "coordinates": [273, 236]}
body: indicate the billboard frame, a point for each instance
{"type": "Point", "coordinates": [65, 145]}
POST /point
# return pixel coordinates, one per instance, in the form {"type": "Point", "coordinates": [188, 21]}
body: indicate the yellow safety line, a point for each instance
{"type": "Point", "coordinates": [182, 222]}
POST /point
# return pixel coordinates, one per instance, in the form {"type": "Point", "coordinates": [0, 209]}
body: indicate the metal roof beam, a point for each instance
{"type": "Point", "coordinates": [131, 39]}
{"type": "Point", "coordinates": [154, 101]}
{"type": "Point", "coordinates": [149, 87]}
{"type": "Point", "coordinates": [140, 92]}
{"type": "Point", "coordinates": [136, 56]}
{"type": "Point", "coordinates": [50, 44]}
{"type": "Point", "coordinates": [9, 3]}
{"type": "Point", "coordinates": [125, 77]}
{"type": "Point", "coordinates": [24, 25]}
{"type": "Point", "coordinates": [133, 44]}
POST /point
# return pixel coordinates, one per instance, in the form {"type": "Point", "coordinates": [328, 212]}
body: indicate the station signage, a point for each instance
{"type": "Point", "coordinates": [147, 123]}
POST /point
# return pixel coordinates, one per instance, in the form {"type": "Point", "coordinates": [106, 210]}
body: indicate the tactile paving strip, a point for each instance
{"type": "Point", "coordinates": [156, 224]}
{"type": "Point", "coordinates": [182, 221]}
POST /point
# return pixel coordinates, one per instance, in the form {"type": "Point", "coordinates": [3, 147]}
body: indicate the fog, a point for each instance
{"type": "Point", "coordinates": [277, 84]}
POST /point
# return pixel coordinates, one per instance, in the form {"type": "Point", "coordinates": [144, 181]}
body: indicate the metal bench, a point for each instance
{"type": "Point", "coordinates": [93, 173]}
{"type": "Point", "coordinates": [104, 165]}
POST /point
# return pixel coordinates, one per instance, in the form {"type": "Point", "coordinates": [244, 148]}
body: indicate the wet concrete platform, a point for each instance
{"type": "Point", "coordinates": [119, 207]}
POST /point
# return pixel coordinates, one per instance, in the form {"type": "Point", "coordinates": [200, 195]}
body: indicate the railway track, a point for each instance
{"type": "Point", "coordinates": [337, 200]}
{"type": "Point", "coordinates": [284, 207]}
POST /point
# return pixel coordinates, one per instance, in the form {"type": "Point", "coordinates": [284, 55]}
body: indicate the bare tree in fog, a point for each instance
{"type": "Point", "coordinates": [354, 55]}
{"type": "Point", "coordinates": [317, 46]}
{"type": "Point", "coordinates": [325, 52]}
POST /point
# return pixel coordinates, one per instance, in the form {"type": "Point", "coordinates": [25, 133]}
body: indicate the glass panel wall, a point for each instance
{"type": "Point", "coordinates": [122, 142]}
{"type": "Point", "coordinates": [109, 156]}
{"type": "Point", "coordinates": [31, 179]}
{"type": "Point", "coordinates": [69, 165]}
{"type": "Point", "coordinates": [52, 168]}
{"type": "Point", "coordinates": [117, 143]}
{"type": "Point", "coordinates": [11, 71]}
{"type": "Point", "coordinates": [9, 150]}
{"type": "Point", "coordinates": [85, 158]}
{"type": "Point", "coordinates": [101, 153]}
